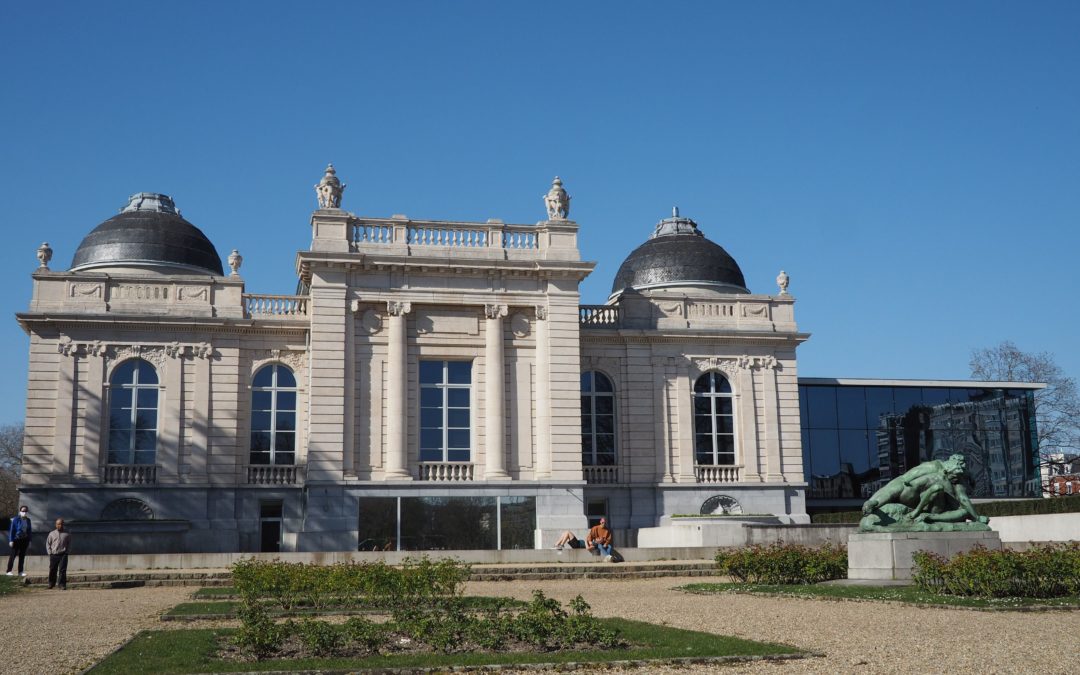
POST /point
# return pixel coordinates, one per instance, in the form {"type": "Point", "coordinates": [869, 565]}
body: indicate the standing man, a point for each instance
{"type": "Point", "coordinates": [56, 545]}
{"type": "Point", "coordinates": [19, 539]}
{"type": "Point", "coordinates": [600, 538]}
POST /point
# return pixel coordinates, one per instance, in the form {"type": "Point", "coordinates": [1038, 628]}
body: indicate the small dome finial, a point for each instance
{"type": "Point", "coordinates": [674, 211]}
{"type": "Point", "coordinates": [44, 255]}
{"type": "Point", "coordinates": [235, 261]}
{"type": "Point", "coordinates": [557, 201]}
{"type": "Point", "coordinates": [330, 189]}
{"type": "Point", "coordinates": [782, 280]}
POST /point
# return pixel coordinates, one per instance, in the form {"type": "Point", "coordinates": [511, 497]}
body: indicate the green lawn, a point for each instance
{"type": "Point", "coordinates": [10, 585]}
{"type": "Point", "coordinates": [908, 594]}
{"type": "Point", "coordinates": [215, 592]}
{"type": "Point", "coordinates": [192, 651]}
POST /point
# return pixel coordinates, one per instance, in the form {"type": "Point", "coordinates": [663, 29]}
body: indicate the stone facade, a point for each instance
{"type": "Point", "coordinates": [380, 300]}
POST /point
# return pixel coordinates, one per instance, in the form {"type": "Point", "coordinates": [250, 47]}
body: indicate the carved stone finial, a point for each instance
{"type": "Point", "coordinates": [44, 255]}
{"type": "Point", "coordinates": [329, 189]}
{"type": "Point", "coordinates": [782, 280]}
{"type": "Point", "coordinates": [557, 201]}
{"type": "Point", "coordinates": [235, 261]}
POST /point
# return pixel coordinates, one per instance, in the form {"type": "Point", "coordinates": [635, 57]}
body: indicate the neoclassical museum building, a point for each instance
{"type": "Point", "coordinates": [431, 385]}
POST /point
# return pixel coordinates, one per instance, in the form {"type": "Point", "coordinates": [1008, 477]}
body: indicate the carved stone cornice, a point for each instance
{"type": "Point", "coordinates": [394, 308]}
{"type": "Point", "coordinates": [294, 358]}
{"type": "Point", "coordinates": [495, 311]}
{"type": "Point", "coordinates": [768, 362]}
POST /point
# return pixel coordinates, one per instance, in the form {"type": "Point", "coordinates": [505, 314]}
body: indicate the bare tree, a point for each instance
{"type": "Point", "coordinates": [11, 443]}
{"type": "Point", "coordinates": [1057, 407]}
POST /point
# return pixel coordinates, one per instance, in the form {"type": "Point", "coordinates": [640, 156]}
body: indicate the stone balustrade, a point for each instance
{"type": "Point", "coordinates": [129, 474]}
{"type": "Point", "coordinates": [601, 475]}
{"type": "Point", "coordinates": [444, 234]}
{"type": "Point", "coordinates": [274, 475]}
{"type": "Point", "coordinates": [275, 306]}
{"type": "Point", "coordinates": [717, 474]}
{"type": "Point", "coordinates": [598, 316]}
{"type": "Point", "coordinates": [446, 472]}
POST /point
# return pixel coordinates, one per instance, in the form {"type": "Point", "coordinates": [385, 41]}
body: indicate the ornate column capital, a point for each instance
{"type": "Point", "coordinates": [394, 308]}
{"type": "Point", "coordinates": [541, 312]}
{"type": "Point", "coordinates": [495, 311]}
{"type": "Point", "coordinates": [761, 362]}
{"type": "Point", "coordinates": [66, 347]}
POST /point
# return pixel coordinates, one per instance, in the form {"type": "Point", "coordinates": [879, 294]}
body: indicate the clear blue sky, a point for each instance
{"type": "Point", "coordinates": [915, 166]}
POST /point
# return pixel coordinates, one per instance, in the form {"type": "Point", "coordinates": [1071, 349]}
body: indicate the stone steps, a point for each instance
{"type": "Point", "coordinates": [221, 577]}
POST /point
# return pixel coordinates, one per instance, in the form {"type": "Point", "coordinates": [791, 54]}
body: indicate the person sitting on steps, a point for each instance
{"type": "Point", "coordinates": [599, 538]}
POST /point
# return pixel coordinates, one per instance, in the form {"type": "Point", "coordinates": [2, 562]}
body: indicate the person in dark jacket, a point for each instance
{"type": "Point", "coordinates": [19, 539]}
{"type": "Point", "coordinates": [56, 545]}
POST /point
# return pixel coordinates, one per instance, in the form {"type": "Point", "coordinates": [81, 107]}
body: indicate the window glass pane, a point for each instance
{"type": "Point", "coordinates": [932, 396]}
{"type": "Point", "coordinates": [260, 400]}
{"type": "Point", "coordinates": [722, 385]}
{"type": "Point", "coordinates": [605, 424]}
{"type": "Point", "coordinates": [702, 384]}
{"type": "Point", "coordinates": [431, 418]}
{"type": "Point", "coordinates": [285, 378]}
{"type": "Point", "coordinates": [855, 452]}
{"type": "Point", "coordinates": [430, 397]}
{"type": "Point", "coordinates": [431, 372]}
{"type": "Point", "coordinates": [603, 384]}
{"type": "Point", "coordinates": [586, 444]}
{"type": "Point", "coordinates": [259, 457]}
{"type": "Point", "coordinates": [431, 454]}
{"type": "Point", "coordinates": [586, 405]}
{"type": "Point", "coordinates": [120, 397]}
{"type": "Point", "coordinates": [378, 524]}
{"type": "Point", "coordinates": [457, 455]}
{"type": "Point", "coordinates": [725, 424]}
{"type": "Point", "coordinates": [286, 421]}
{"type": "Point", "coordinates": [826, 457]}
{"type": "Point", "coordinates": [260, 421]}
{"type": "Point", "coordinates": [146, 419]}
{"type": "Point", "coordinates": [119, 456]}
{"type": "Point", "coordinates": [286, 400]}
{"type": "Point", "coordinates": [147, 374]}
{"type": "Point", "coordinates": [851, 407]}
{"type": "Point", "coordinates": [284, 441]}
{"type": "Point", "coordinates": [124, 373]}
{"type": "Point", "coordinates": [878, 404]}
{"type": "Point", "coordinates": [518, 521]}
{"type": "Point", "coordinates": [457, 438]}
{"type": "Point", "coordinates": [146, 397]}
{"type": "Point", "coordinates": [723, 406]}
{"type": "Point", "coordinates": [120, 420]}
{"type": "Point", "coordinates": [702, 406]}
{"type": "Point", "coordinates": [145, 440]}
{"type": "Point", "coordinates": [457, 417]}
{"type": "Point", "coordinates": [431, 439]}
{"type": "Point", "coordinates": [260, 440]}
{"type": "Point", "coordinates": [704, 447]}
{"type": "Point", "coordinates": [703, 424]}
{"type": "Point", "coordinates": [457, 398]}
{"type": "Point", "coordinates": [144, 457]}
{"type": "Point", "coordinates": [605, 443]}
{"type": "Point", "coordinates": [906, 398]}
{"type": "Point", "coordinates": [264, 377]}
{"type": "Point", "coordinates": [586, 383]}
{"type": "Point", "coordinates": [605, 405]}
{"type": "Point", "coordinates": [439, 523]}
{"type": "Point", "coordinates": [459, 372]}
{"type": "Point", "coordinates": [284, 458]}
{"type": "Point", "coordinates": [822, 404]}
{"type": "Point", "coordinates": [119, 441]}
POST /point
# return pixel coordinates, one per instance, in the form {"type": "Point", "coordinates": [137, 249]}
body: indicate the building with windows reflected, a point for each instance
{"type": "Point", "coordinates": [439, 385]}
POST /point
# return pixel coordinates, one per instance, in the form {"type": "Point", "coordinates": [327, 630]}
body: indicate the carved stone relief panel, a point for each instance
{"type": "Point", "coordinates": [755, 311]}
{"type": "Point", "coordinates": [710, 310]}
{"type": "Point", "coordinates": [193, 294]}
{"type": "Point", "coordinates": [145, 293]}
{"type": "Point", "coordinates": [370, 322]}
{"type": "Point", "coordinates": [706, 363]}
{"type": "Point", "coordinates": [519, 325]}
{"type": "Point", "coordinates": [294, 359]}
{"type": "Point", "coordinates": [86, 291]}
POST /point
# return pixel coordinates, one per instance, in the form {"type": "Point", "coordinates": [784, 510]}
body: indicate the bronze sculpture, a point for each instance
{"type": "Point", "coordinates": [929, 498]}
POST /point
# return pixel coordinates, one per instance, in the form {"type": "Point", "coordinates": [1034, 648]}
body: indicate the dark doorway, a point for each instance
{"type": "Point", "coordinates": [270, 527]}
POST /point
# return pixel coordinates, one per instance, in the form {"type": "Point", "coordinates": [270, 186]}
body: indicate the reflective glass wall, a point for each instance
{"type": "Point", "coordinates": [857, 438]}
{"type": "Point", "coordinates": [446, 523]}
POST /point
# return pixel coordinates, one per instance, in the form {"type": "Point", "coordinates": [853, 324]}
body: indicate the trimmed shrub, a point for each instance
{"type": "Point", "coordinates": [781, 563]}
{"type": "Point", "coordinates": [1050, 571]}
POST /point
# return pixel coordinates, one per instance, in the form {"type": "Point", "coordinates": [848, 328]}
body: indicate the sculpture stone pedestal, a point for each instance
{"type": "Point", "coordinates": [887, 555]}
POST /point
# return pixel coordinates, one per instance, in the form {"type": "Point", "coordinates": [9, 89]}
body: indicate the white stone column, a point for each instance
{"type": "Point", "coordinates": [397, 432]}
{"type": "Point", "coordinates": [774, 469]}
{"type": "Point", "coordinates": [494, 395]}
{"type": "Point", "coordinates": [748, 441]}
{"type": "Point", "coordinates": [542, 395]}
{"type": "Point", "coordinates": [63, 463]}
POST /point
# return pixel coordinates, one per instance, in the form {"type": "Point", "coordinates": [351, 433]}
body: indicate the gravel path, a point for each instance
{"type": "Point", "coordinates": [65, 631]}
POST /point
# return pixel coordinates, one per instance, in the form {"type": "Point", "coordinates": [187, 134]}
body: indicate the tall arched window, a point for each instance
{"type": "Point", "coordinates": [133, 408]}
{"type": "Point", "coordinates": [597, 420]}
{"type": "Point", "coordinates": [273, 416]}
{"type": "Point", "coordinates": [714, 420]}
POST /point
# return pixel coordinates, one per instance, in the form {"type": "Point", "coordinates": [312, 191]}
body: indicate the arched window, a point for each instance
{"type": "Point", "coordinates": [714, 421]}
{"type": "Point", "coordinates": [597, 420]}
{"type": "Point", "coordinates": [133, 412]}
{"type": "Point", "coordinates": [273, 416]}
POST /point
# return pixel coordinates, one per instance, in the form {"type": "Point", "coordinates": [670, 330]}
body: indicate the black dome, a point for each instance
{"type": "Point", "coordinates": [679, 254]}
{"type": "Point", "coordinates": [148, 232]}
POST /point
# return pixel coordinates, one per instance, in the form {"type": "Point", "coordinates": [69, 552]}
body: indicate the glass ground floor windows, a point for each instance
{"type": "Point", "coordinates": [446, 523]}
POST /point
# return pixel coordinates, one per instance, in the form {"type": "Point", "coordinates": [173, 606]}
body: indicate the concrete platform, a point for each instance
{"type": "Point", "coordinates": [887, 555]}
